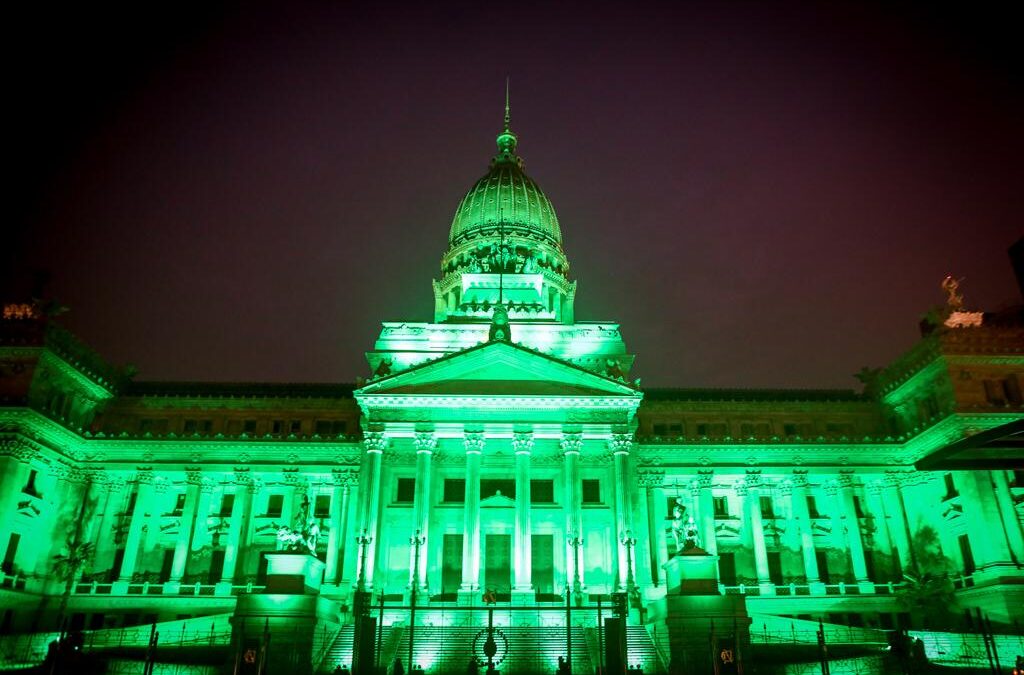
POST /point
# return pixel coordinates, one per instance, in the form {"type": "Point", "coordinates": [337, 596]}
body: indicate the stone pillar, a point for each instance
{"type": "Point", "coordinates": [652, 482]}
{"type": "Point", "coordinates": [571, 444]}
{"type": "Point", "coordinates": [474, 445]}
{"type": "Point", "coordinates": [186, 526]}
{"type": "Point", "coordinates": [522, 445]}
{"type": "Point", "coordinates": [337, 537]}
{"type": "Point", "coordinates": [621, 444]}
{"type": "Point", "coordinates": [982, 513]}
{"type": "Point", "coordinates": [424, 442]}
{"type": "Point", "coordinates": [238, 529]}
{"type": "Point", "coordinates": [752, 501]}
{"type": "Point", "coordinates": [143, 504]}
{"type": "Point", "coordinates": [896, 515]}
{"type": "Point", "coordinates": [105, 537]}
{"type": "Point", "coordinates": [375, 443]}
{"type": "Point", "coordinates": [802, 521]}
{"type": "Point", "coordinates": [706, 511]}
{"type": "Point", "coordinates": [855, 544]}
{"type": "Point", "coordinates": [1008, 515]}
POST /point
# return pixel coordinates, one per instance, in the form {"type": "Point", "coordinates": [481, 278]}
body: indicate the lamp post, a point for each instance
{"type": "Point", "coordinates": [629, 541]}
{"type": "Point", "coordinates": [360, 608]}
{"type": "Point", "coordinates": [363, 540]}
{"type": "Point", "coordinates": [416, 540]}
{"type": "Point", "coordinates": [577, 588]}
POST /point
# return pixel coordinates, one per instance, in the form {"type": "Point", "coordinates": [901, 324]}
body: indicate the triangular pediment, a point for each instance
{"type": "Point", "coordinates": [497, 369]}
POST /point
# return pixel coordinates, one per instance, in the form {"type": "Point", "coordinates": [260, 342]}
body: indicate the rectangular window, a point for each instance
{"type": "Point", "coordinates": [330, 427]}
{"type": "Point", "coordinates": [275, 505]}
{"type": "Point", "coordinates": [11, 553]}
{"type": "Point", "coordinates": [233, 427]}
{"type": "Point", "coordinates": [721, 507]}
{"type": "Point", "coordinates": [492, 487]}
{"type": "Point", "coordinates": [822, 558]}
{"type": "Point", "coordinates": [727, 568]}
{"type": "Point", "coordinates": [1011, 387]}
{"type": "Point", "coordinates": [277, 427]}
{"type": "Point", "coordinates": [775, 567]}
{"type": "Point", "coordinates": [30, 484]}
{"type": "Point", "coordinates": [166, 565]}
{"type": "Point", "coordinates": [322, 507]}
{"type": "Point", "coordinates": [295, 427]}
{"type": "Point", "coordinates": [994, 393]}
{"type": "Point", "coordinates": [812, 507]}
{"type": "Point", "coordinates": [454, 490]}
{"type": "Point", "coordinates": [249, 426]}
{"type": "Point", "coordinates": [227, 505]}
{"type": "Point", "coordinates": [767, 507]}
{"type": "Point", "coordinates": [711, 429]}
{"type": "Point", "coordinates": [675, 429]}
{"type": "Point", "coordinates": [755, 430]}
{"type": "Point", "coordinates": [660, 429]}
{"type": "Point", "coordinates": [839, 429]}
{"type": "Point", "coordinates": [951, 490]}
{"type": "Point", "coordinates": [406, 491]}
{"type": "Point", "coordinates": [670, 505]}
{"type": "Point", "coordinates": [966, 554]}
{"type": "Point", "coordinates": [591, 491]}
{"type": "Point", "coordinates": [198, 426]}
{"type": "Point", "coordinates": [179, 504]}
{"type": "Point", "coordinates": [542, 491]}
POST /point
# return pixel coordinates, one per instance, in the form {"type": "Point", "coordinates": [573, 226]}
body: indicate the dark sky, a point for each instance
{"type": "Point", "coordinates": [763, 194]}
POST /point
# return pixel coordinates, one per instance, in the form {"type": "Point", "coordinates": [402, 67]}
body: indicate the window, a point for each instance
{"type": "Point", "coordinates": [660, 429]}
{"type": "Point", "coordinates": [179, 504]}
{"type": "Point", "coordinates": [227, 505]}
{"type": "Point", "coordinates": [277, 427]}
{"type": "Point", "coordinates": [755, 430]}
{"type": "Point", "coordinates": [330, 427]}
{"type": "Point", "coordinates": [322, 506]}
{"type": "Point", "coordinates": [491, 487]}
{"type": "Point", "coordinates": [1018, 477]}
{"type": "Point", "coordinates": [775, 567]}
{"type": "Point", "coordinates": [668, 429]}
{"type": "Point", "coordinates": [295, 427]}
{"type": "Point", "coordinates": [30, 484]}
{"type": "Point", "coordinates": [767, 507]}
{"type": "Point", "coordinates": [153, 426]}
{"type": "Point", "coordinates": [966, 554]}
{"type": "Point", "coordinates": [233, 427]}
{"type": "Point", "coordinates": [406, 491]}
{"type": "Point", "coordinates": [1011, 387]}
{"type": "Point", "coordinates": [858, 507]}
{"type": "Point", "coordinates": [797, 430]}
{"type": "Point", "coordinates": [727, 568]}
{"type": "Point", "coordinates": [542, 492]}
{"type": "Point", "coordinates": [812, 507]}
{"type": "Point", "coordinates": [994, 393]}
{"type": "Point", "coordinates": [198, 426]}
{"type": "Point", "coordinates": [591, 491]}
{"type": "Point", "coordinates": [839, 429]}
{"type": "Point", "coordinates": [454, 490]}
{"type": "Point", "coordinates": [275, 504]}
{"type": "Point", "coordinates": [721, 507]}
{"type": "Point", "coordinates": [711, 430]}
{"type": "Point", "coordinates": [249, 426]}
{"type": "Point", "coordinates": [7, 567]}
{"type": "Point", "coordinates": [951, 490]}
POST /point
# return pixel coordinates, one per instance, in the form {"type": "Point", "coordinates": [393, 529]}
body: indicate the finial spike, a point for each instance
{"type": "Point", "coordinates": [508, 116]}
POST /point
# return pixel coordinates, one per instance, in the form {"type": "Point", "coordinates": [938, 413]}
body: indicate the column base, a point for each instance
{"type": "Point", "coordinates": [865, 587]}
{"type": "Point", "coordinates": [120, 587]}
{"type": "Point", "coordinates": [422, 597]}
{"type": "Point", "coordinates": [816, 588]}
{"type": "Point", "coordinates": [223, 588]}
{"type": "Point", "coordinates": [766, 588]}
{"type": "Point", "coordinates": [172, 587]}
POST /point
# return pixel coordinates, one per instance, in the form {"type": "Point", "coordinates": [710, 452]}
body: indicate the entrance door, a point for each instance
{"type": "Point", "coordinates": [542, 550]}
{"type": "Point", "coordinates": [451, 564]}
{"type": "Point", "coordinates": [498, 563]}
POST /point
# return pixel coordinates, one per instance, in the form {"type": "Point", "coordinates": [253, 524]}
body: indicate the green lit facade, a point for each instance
{"type": "Point", "coordinates": [522, 454]}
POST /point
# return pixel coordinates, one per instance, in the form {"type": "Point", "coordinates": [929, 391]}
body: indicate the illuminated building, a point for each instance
{"type": "Point", "coordinates": [510, 440]}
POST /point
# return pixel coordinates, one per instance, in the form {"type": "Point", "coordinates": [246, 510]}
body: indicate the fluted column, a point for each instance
{"type": "Point", "coordinates": [522, 445]}
{"type": "Point", "coordinates": [571, 444]}
{"type": "Point", "coordinates": [143, 504]}
{"type": "Point", "coordinates": [854, 541]}
{"type": "Point", "coordinates": [880, 537]}
{"type": "Point", "coordinates": [424, 443]}
{"type": "Point", "coordinates": [752, 500]}
{"type": "Point", "coordinates": [804, 524]}
{"type": "Point", "coordinates": [621, 445]}
{"type": "Point", "coordinates": [1008, 515]}
{"type": "Point", "coordinates": [104, 539]}
{"type": "Point", "coordinates": [474, 445]}
{"type": "Point", "coordinates": [375, 443]}
{"type": "Point", "coordinates": [186, 525]}
{"type": "Point", "coordinates": [238, 528]}
{"type": "Point", "coordinates": [652, 482]}
{"type": "Point", "coordinates": [337, 537]}
{"type": "Point", "coordinates": [706, 510]}
{"type": "Point", "coordinates": [896, 515]}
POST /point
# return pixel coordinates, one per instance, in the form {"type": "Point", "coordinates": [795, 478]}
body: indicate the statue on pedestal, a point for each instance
{"type": "Point", "coordinates": [303, 535]}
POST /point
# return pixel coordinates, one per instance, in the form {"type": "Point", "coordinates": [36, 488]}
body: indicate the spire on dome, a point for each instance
{"type": "Point", "coordinates": [507, 140]}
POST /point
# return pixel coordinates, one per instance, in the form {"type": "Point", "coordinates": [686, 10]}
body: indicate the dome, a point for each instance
{"type": "Point", "coordinates": [505, 195]}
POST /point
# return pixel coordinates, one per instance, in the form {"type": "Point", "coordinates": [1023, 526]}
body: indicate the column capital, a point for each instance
{"type": "Point", "coordinates": [474, 442]}
{"type": "Point", "coordinates": [522, 442]}
{"type": "Point", "coordinates": [786, 488]}
{"type": "Point", "coordinates": [831, 488]}
{"type": "Point", "coordinates": [705, 478]}
{"type": "Point", "coordinates": [895, 478]}
{"type": "Point", "coordinates": [874, 487]}
{"type": "Point", "coordinates": [571, 443]}
{"type": "Point", "coordinates": [375, 442]}
{"type": "Point", "coordinates": [424, 442]}
{"type": "Point", "coordinates": [207, 486]}
{"type": "Point", "coordinates": [845, 479]}
{"type": "Point", "coordinates": [144, 475]}
{"type": "Point", "coordinates": [753, 479]}
{"type": "Point", "coordinates": [344, 478]}
{"type": "Point", "coordinates": [651, 478]}
{"type": "Point", "coordinates": [742, 488]}
{"type": "Point", "coordinates": [18, 449]}
{"type": "Point", "coordinates": [292, 478]}
{"type": "Point", "coordinates": [194, 475]}
{"type": "Point", "coordinates": [621, 444]}
{"type": "Point", "coordinates": [799, 479]}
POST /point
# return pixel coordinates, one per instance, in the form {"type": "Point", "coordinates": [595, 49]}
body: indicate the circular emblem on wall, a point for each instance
{"type": "Point", "coordinates": [491, 644]}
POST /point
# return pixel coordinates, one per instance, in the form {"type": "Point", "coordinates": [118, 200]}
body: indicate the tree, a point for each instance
{"type": "Point", "coordinates": [68, 567]}
{"type": "Point", "coordinates": [928, 588]}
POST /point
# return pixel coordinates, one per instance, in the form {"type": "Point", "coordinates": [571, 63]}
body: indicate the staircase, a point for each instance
{"type": "Point", "coordinates": [340, 652]}
{"type": "Point", "coordinates": [530, 650]}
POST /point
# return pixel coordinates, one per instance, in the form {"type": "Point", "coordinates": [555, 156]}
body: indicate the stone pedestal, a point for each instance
{"type": "Point", "coordinates": [699, 620]}
{"type": "Point", "coordinates": [279, 627]}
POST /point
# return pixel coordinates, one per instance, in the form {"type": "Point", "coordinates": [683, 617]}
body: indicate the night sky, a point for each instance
{"type": "Point", "coordinates": [763, 195]}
